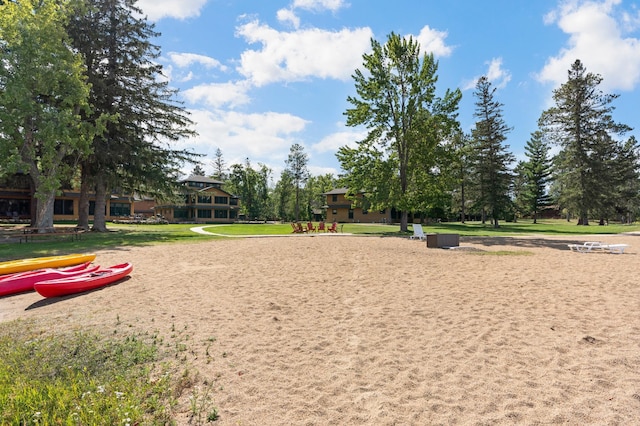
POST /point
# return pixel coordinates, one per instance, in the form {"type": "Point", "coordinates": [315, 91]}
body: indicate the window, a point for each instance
{"type": "Point", "coordinates": [334, 198]}
{"type": "Point", "coordinates": [221, 214]}
{"type": "Point", "coordinates": [181, 213]}
{"type": "Point", "coordinates": [350, 213]}
{"type": "Point", "coordinates": [204, 199]}
{"type": "Point", "coordinates": [204, 214]}
{"type": "Point", "coordinates": [120, 209]}
{"type": "Point", "coordinates": [14, 208]}
{"type": "Point", "coordinates": [63, 207]}
{"type": "Point", "coordinates": [233, 202]}
{"type": "Point", "coordinates": [221, 200]}
{"type": "Point", "coordinates": [334, 211]}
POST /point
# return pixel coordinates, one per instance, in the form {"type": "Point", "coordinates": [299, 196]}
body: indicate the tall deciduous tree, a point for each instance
{"type": "Point", "coordinates": [492, 158]}
{"type": "Point", "coordinates": [297, 168]}
{"type": "Point", "coordinates": [134, 154]}
{"type": "Point", "coordinates": [43, 92]}
{"type": "Point", "coordinates": [396, 101]}
{"type": "Point", "coordinates": [252, 186]}
{"type": "Point", "coordinates": [582, 126]}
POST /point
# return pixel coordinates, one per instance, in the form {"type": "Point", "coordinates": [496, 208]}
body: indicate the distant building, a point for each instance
{"type": "Point", "coordinates": [203, 201]}
{"type": "Point", "coordinates": [341, 209]}
{"type": "Point", "coordinates": [17, 203]}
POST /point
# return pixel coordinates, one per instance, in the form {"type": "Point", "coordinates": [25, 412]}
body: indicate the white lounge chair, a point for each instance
{"type": "Point", "coordinates": [586, 247]}
{"type": "Point", "coordinates": [418, 232]}
{"type": "Point", "coordinates": [616, 248]}
{"type": "Point", "coordinates": [590, 246]}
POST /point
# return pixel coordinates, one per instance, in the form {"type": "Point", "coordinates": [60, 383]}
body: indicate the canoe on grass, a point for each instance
{"type": "Point", "coordinates": [84, 282]}
{"type": "Point", "coordinates": [31, 264]}
{"type": "Point", "coordinates": [24, 281]}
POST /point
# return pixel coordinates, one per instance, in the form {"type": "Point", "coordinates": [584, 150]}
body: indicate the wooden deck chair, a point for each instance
{"type": "Point", "coordinates": [311, 228]}
{"type": "Point", "coordinates": [333, 227]}
{"type": "Point", "coordinates": [321, 226]}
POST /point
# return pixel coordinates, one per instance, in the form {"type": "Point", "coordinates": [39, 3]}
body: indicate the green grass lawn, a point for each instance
{"type": "Point", "coordinates": [138, 235]}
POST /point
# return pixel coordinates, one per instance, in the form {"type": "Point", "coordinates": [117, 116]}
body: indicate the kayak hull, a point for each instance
{"type": "Point", "coordinates": [34, 263]}
{"type": "Point", "coordinates": [83, 282]}
{"type": "Point", "coordinates": [20, 282]}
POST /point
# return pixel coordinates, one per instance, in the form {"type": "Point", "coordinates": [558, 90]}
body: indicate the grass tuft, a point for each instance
{"type": "Point", "coordinates": [83, 378]}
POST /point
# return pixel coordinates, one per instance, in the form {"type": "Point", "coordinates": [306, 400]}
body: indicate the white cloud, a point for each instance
{"type": "Point", "coordinates": [433, 41]}
{"type": "Point", "coordinates": [496, 74]}
{"type": "Point", "coordinates": [288, 15]}
{"type": "Point", "coordinates": [158, 9]}
{"type": "Point", "coordinates": [318, 5]}
{"type": "Point", "coordinates": [596, 37]}
{"type": "Point", "coordinates": [263, 138]}
{"type": "Point", "coordinates": [299, 55]}
{"type": "Point", "coordinates": [332, 142]}
{"type": "Point", "coordinates": [216, 95]}
{"type": "Point", "coordinates": [183, 60]}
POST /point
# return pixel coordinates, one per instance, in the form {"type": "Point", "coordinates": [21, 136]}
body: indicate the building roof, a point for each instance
{"type": "Point", "coordinates": [337, 191]}
{"type": "Point", "coordinates": [203, 179]}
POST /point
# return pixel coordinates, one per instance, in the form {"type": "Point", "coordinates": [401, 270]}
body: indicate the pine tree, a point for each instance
{"type": "Point", "coordinates": [582, 125]}
{"type": "Point", "coordinates": [537, 170]}
{"type": "Point", "coordinates": [133, 152]}
{"type": "Point", "coordinates": [219, 169]}
{"type": "Point", "coordinates": [492, 160]}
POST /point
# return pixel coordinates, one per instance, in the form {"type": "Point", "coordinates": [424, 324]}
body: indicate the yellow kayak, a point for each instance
{"type": "Point", "coordinates": [21, 265]}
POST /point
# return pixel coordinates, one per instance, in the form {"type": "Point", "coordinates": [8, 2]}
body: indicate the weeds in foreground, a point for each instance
{"type": "Point", "coordinates": [83, 378]}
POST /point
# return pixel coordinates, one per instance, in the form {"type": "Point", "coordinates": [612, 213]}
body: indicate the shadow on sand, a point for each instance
{"type": "Point", "coordinates": [47, 301]}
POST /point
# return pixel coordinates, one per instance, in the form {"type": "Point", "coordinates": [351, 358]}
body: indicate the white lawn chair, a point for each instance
{"type": "Point", "coordinates": [418, 232]}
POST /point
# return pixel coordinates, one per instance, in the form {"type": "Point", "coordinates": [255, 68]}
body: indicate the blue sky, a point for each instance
{"type": "Point", "coordinates": [259, 76]}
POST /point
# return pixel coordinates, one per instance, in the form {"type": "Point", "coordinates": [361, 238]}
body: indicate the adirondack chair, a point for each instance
{"type": "Point", "coordinates": [299, 229]}
{"type": "Point", "coordinates": [333, 227]}
{"type": "Point", "coordinates": [311, 228]}
{"type": "Point", "coordinates": [321, 227]}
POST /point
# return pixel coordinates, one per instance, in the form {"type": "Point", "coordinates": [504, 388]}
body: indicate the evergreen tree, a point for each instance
{"type": "Point", "coordinates": [397, 163]}
{"type": "Point", "coordinates": [198, 170]}
{"type": "Point", "coordinates": [537, 174]}
{"type": "Point", "coordinates": [219, 169]}
{"type": "Point", "coordinates": [581, 124]}
{"type": "Point", "coordinates": [492, 158]}
{"type": "Point", "coordinates": [134, 153]}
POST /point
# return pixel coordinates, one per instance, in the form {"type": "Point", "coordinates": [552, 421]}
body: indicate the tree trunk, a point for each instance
{"type": "Point", "coordinates": [462, 203]}
{"type": "Point", "coordinates": [44, 211]}
{"type": "Point", "coordinates": [33, 204]}
{"type": "Point", "coordinates": [83, 202]}
{"type": "Point", "coordinates": [404, 219]}
{"type": "Point", "coordinates": [99, 216]}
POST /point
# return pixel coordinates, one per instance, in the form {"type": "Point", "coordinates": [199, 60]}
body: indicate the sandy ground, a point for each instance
{"type": "Point", "coordinates": [383, 331]}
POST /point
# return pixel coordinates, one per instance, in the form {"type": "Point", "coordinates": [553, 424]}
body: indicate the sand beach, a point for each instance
{"type": "Point", "coordinates": [351, 330]}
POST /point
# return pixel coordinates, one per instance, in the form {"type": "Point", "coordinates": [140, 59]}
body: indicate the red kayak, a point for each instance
{"type": "Point", "coordinates": [83, 282]}
{"type": "Point", "coordinates": [24, 281]}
